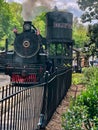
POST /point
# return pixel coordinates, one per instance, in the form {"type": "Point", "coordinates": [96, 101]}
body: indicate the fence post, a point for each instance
{"type": "Point", "coordinates": [43, 116]}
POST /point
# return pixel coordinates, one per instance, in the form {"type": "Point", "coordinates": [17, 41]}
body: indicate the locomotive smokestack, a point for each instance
{"type": "Point", "coordinates": [27, 25]}
{"type": "Point", "coordinates": [55, 8]}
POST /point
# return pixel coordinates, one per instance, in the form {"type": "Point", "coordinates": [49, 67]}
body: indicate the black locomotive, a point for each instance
{"type": "Point", "coordinates": [27, 63]}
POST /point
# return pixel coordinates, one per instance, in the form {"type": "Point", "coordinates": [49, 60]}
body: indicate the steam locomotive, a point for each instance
{"type": "Point", "coordinates": [27, 63]}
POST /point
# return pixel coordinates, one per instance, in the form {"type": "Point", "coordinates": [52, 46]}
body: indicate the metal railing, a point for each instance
{"type": "Point", "coordinates": [55, 89]}
{"type": "Point", "coordinates": [20, 107]}
{"type": "Point", "coordinates": [30, 108]}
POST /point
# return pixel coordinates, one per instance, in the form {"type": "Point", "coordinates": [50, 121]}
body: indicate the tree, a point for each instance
{"type": "Point", "coordinates": [40, 23]}
{"type": "Point", "coordinates": [9, 18]}
{"type": "Point", "coordinates": [4, 18]}
{"type": "Point", "coordinates": [92, 44]}
{"type": "Point", "coordinates": [79, 33]}
{"type": "Point", "coordinates": [90, 8]}
{"type": "Point", "coordinates": [16, 19]}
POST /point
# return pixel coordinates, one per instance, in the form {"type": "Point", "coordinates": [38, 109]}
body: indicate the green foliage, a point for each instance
{"type": "Point", "coordinates": [9, 18]}
{"type": "Point", "coordinates": [79, 33]}
{"type": "Point", "coordinates": [90, 76]}
{"type": "Point", "coordinates": [73, 119]}
{"type": "Point", "coordinates": [90, 8]}
{"type": "Point", "coordinates": [89, 99]}
{"type": "Point", "coordinates": [4, 18]}
{"type": "Point", "coordinates": [77, 78]}
{"type": "Point", "coordinates": [83, 113]}
{"type": "Point", "coordinates": [15, 20]}
{"type": "Point", "coordinates": [39, 23]}
{"type": "Point", "coordinates": [93, 35]}
{"type": "Point", "coordinates": [92, 43]}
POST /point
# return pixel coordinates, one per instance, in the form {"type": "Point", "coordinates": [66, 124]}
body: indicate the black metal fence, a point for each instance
{"type": "Point", "coordinates": [55, 89]}
{"type": "Point", "coordinates": [20, 107]}
{"type": "Point", "coordinates": [29, 108]}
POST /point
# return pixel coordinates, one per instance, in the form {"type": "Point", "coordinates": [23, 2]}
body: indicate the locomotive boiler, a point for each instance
{"type": "Point", "coordinates": [27, 63]}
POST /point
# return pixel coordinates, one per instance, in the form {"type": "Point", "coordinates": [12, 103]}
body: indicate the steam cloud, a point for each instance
{"type": "Point", "coordinates": [31, 8]}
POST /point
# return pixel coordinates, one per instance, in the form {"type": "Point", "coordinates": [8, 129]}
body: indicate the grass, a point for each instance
{"type": "Point", "coordinates": [77, 78]}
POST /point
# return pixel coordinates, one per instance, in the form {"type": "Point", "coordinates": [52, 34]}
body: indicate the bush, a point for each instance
{"type": "Point", "coordinates": [73, 119]}
{"type": "Point", "coordinates": [77, 78]}
{"type": "Point", "coordinates": [90, 76]}
{"type": "Point", "coordinates": [89, 98]}
{"type": "Point", "coordinates": [83, 113]}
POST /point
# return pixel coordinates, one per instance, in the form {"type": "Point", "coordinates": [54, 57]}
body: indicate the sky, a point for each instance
{"type": "Point", "coordinates": [71, 6]}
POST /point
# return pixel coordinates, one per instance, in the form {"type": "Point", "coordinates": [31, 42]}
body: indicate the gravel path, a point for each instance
{"type": "Point", "coordinates": [55, 122]}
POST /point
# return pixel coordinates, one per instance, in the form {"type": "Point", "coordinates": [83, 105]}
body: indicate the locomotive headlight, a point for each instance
{"type": "Point", "coordinates": [26, 44]}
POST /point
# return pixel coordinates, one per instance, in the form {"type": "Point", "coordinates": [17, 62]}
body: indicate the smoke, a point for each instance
{"type": "Point", "coordinates": [32, 8]}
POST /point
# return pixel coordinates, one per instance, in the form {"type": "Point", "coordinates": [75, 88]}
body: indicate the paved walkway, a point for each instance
{"type": "Point", "coordinates": [4, 80]}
